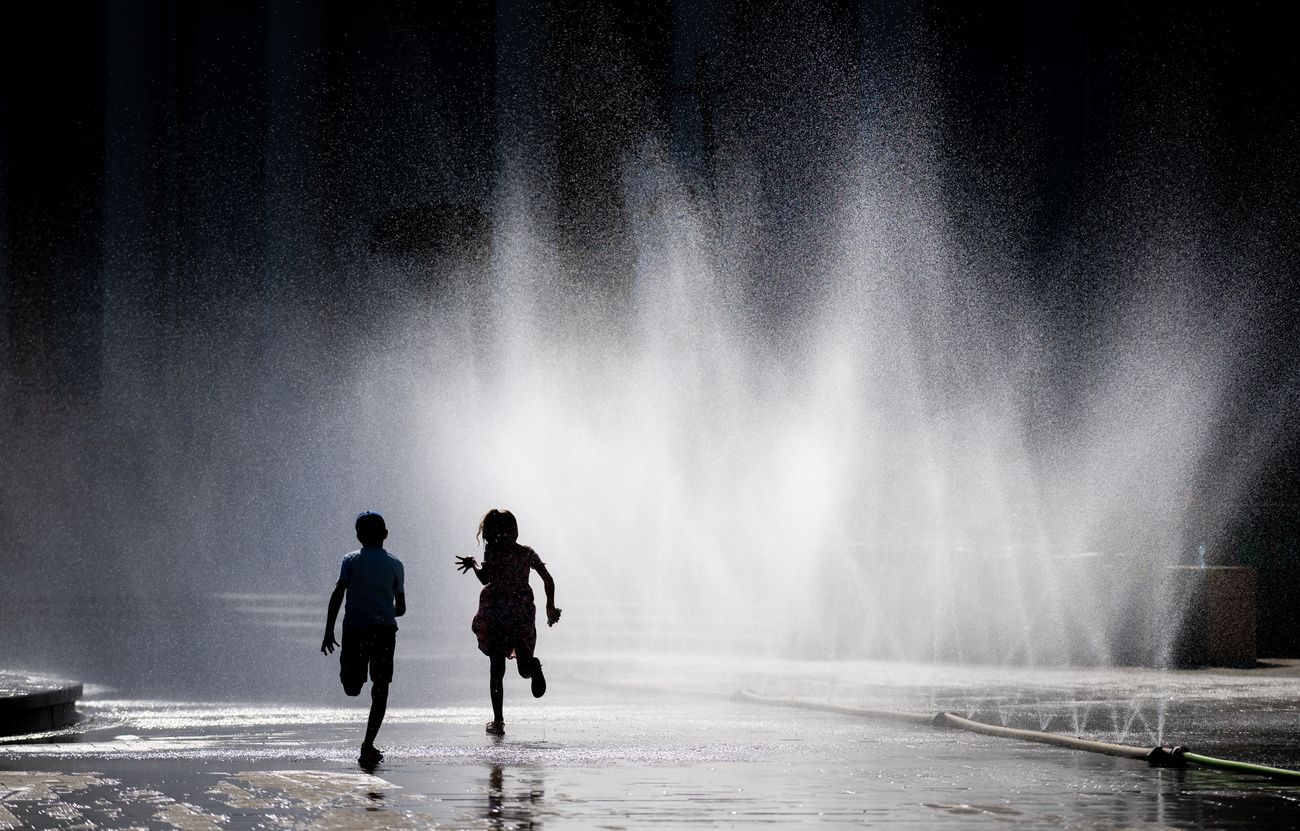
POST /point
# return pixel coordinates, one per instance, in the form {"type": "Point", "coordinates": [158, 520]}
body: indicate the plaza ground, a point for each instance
{"type": "Point", "coordinates": [634, 742]}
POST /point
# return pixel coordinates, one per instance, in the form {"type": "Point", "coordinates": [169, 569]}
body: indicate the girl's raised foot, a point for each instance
{"type": "Point", "coordinates": [496, 728]}
{"type": "Point", "coordinates": [539, 680]}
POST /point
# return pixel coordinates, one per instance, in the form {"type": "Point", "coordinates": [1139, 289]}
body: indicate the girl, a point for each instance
{"type": "Point", "coordinates": [506, 620]}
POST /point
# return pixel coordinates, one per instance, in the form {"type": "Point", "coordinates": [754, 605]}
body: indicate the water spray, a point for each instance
{"type": "Point", "coordinates": [1173, 757]}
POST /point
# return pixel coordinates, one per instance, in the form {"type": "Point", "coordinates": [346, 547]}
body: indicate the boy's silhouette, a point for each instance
{"type": "Point", "coordinates": [374, 583]}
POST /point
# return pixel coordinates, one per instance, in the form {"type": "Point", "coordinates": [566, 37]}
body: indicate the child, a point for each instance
{"type": "Point", "coordinates": [374, 582]}
{"type": "Point", "coordinates": [506, 621]}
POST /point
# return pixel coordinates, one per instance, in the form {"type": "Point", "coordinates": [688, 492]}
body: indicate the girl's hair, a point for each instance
{"type": "Point", "coordinates": [497, 524]}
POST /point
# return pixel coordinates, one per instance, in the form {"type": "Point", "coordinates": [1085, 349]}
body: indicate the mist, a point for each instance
{"type": "Point", "coordinates": [804, 370]}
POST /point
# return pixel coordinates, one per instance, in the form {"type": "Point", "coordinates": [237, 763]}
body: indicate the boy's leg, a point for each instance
{"type": "Point", "coordinates": [378, 706]}
{"type": "Point", "coordinates": [354, 656]}
{"type": "Point", "coordinates": [383, 643]}
{"type": "Point", "coordinates": [497, 674]}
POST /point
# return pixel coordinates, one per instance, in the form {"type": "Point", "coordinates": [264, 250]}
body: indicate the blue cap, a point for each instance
{"type": "Point", "coordinates": [370, 519]}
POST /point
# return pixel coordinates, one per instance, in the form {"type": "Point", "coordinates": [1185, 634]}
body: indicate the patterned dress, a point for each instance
{"type": "Point", "coordinates": [507, 614]}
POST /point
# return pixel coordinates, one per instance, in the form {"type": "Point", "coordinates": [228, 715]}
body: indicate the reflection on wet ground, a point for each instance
{"type": "Point", "coordinates": [606, 751]}
{"type": "Point", "coordinates": [198, 801]}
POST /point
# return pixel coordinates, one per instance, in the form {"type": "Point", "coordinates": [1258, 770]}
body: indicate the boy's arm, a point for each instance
{"type": "Point", "coordinates": [399, 590]}
{"type": "Point", "coordinates": [336, 603]}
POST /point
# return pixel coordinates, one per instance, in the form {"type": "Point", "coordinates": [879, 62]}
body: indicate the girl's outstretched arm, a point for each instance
{"type": "Point", "coordinates": [552, 613]}
{"type": "Point", "coordinates": [467, 563]}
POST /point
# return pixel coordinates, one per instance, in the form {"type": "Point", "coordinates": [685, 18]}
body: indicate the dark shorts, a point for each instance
{"type": "Point", "coordinates": [367, 647]}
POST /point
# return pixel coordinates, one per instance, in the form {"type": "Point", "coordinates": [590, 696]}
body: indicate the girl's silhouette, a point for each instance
{"type": "Point", "coordinates": [506, 620]}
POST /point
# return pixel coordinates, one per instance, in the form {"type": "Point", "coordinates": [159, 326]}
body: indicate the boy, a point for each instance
{"type": "Point", "coordinates": [374, 582]}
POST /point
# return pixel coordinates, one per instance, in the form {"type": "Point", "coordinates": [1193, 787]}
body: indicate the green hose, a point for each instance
{"type": "Point", "coordinates": [1160, 756]}
{"type": "Point", "coordinates": [1239, 767]}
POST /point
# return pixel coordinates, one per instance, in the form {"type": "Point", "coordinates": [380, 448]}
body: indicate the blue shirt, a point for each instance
{"type": "Point", "coordinates": [372, 576]}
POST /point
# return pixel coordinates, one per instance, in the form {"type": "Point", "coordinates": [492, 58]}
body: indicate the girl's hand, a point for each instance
{"type": "Point", "coordinates": [552, 615]}
{"type": "Point", "coordinates": [465, 564]}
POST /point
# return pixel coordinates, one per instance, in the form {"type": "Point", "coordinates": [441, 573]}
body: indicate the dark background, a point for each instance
{"type": "Point", "coordinates": [191, 191]}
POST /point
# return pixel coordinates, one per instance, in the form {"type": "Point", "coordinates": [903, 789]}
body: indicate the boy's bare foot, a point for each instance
{"type": "Point", "coordinates": [496, 728]}
{"type": "Point", "coordinates": [370, 756]}
{"type": "Point", "coordinates": [539, 680]}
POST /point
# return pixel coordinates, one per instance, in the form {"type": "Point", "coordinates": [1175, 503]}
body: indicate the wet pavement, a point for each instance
{"type": "Point", "coordinates": [635, 743]}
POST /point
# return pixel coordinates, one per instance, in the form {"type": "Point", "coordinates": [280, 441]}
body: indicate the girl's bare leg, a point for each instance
{"type": "Point", "coordinates": [530, 667]}
{"type": "Point", "coordinates": [524, 658]}
{"type": "Point", "coordinates": [498, 674]}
